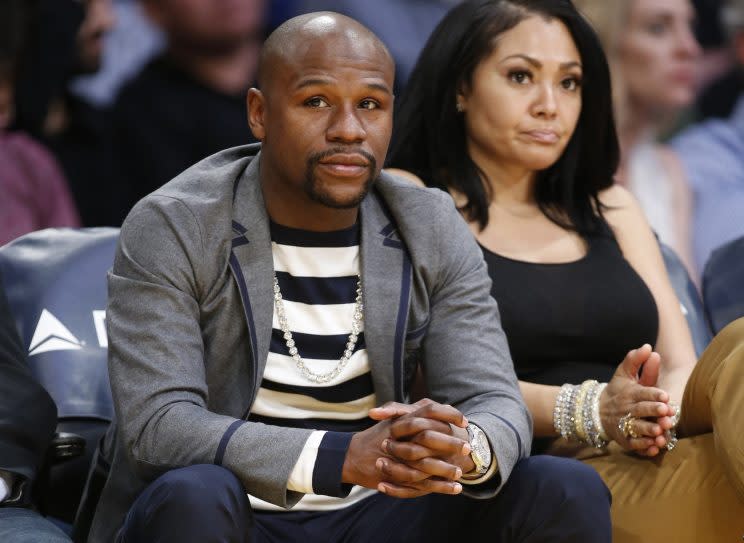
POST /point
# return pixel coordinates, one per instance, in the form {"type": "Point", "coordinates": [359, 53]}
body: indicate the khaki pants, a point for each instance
{"type": "Point", "coordinates": [694, 493]}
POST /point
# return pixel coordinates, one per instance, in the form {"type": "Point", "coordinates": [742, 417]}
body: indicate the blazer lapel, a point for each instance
{"type": "Point", "coordinates": [386, 285]}
{"type": "Point", "coordinates": [252, 266]}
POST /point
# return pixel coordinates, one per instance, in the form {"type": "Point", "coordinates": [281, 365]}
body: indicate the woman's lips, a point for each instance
{"type": "Point", "coordinates": [543, 136]}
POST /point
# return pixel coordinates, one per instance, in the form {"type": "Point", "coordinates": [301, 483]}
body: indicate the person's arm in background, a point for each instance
{"type": "Point", "coordinates": [641, 250]}
{"type": "Point", "coordinates": [682, 202]}
{"type": "Point", "coordinates": [28, 415]}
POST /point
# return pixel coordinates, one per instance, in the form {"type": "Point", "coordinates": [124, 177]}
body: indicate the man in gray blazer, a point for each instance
{"type": "Point", "coordinates": [237, 287]}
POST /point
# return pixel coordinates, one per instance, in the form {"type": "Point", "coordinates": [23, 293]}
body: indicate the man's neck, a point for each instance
{"type": "Point", "coordinates": [313, 217]}
{"type": "Point", "coordinates": [231, 72]}
{"type": "Point", "coordinates": [303, 213]}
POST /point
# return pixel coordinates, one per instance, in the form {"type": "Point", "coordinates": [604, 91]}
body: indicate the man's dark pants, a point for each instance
{"type": "Point", "coordinates": [546, 499]}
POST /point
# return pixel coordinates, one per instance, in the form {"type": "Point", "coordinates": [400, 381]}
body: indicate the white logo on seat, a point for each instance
{"type": "Point", "coordinates": [52, 335]}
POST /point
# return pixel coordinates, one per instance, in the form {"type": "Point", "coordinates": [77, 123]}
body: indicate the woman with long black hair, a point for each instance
{"type": "Point", "coordinates": [509, 109]}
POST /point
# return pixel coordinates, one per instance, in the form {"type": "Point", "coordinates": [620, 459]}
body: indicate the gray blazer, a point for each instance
{"type": "Point", "coordinates": [189, 324]}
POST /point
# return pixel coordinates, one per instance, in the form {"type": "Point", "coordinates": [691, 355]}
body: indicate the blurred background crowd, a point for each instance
{"type": "Point", "coordinates": [103, 101]}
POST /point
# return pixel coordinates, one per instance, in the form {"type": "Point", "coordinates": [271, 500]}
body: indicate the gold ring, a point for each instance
{"type": "Point", "coordinates": [632, 430]}
{"type": "Point", "coordinates": [625, 425]}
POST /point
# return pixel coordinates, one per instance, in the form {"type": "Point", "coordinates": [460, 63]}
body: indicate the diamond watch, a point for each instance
{"type": "Point", "coordinates": [480, 452]}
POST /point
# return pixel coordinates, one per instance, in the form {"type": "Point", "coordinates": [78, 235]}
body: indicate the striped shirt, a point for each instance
{"type": "Point", "coordinates": [317, 274]}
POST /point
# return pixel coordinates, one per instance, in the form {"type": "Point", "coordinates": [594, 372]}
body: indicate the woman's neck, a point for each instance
{"type": "Point", "coordinates": [510, 185]}
{"type": "Point", "coordinates": [642, 121]}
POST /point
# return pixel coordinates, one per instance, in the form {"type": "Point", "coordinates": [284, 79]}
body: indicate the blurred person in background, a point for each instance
{"type": "Point", "coordinates": [712, 154]}
{"type": "Point", "coordinates": [189, 102]}
{"type": "Point", "coordinates": [66, 40]}
{"type": "Point", "coordinates": [653, 58]}
{"type": "Point", "coordinates": [722, 77]}
{"type": "Point", "coordinates": [130, 44]}
{"type": "Point", "coordinates": [403, 27]}
{"type": "Point", "coordinates": [717, 59]}
{"type": "Point", "coordinates": [34, 192]}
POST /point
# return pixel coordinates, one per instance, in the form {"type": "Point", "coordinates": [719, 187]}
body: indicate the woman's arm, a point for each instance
{"type": "Point", "coordinates": [625, 393]}
{"type": "Point", "coordinates": [540, 400]}
{"type": "Point", "coordinates": [641, 250]}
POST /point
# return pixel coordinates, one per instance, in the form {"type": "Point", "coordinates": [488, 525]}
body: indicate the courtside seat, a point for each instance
{"type": "Point", "coordinates": [689, 299]}
{"type": "Point", "coordinates": [723, 284]}
{"type": "Point", "coordinates": [55, 281]}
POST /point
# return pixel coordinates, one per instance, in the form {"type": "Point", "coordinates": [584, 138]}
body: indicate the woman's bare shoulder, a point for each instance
{"type": "Point", "coordinates": [617, 196]}
{"type": "Point", "coordinates": [405, 174]}
{"type": "Point", "coordinates": [620, 207]}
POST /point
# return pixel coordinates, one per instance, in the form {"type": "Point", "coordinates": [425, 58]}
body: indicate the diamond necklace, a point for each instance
{"type": "Point", "coordinates": [356, 325]}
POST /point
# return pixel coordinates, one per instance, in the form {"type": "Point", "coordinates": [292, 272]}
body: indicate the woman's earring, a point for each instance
{"type": "Point", "coordinates": [459, 107]}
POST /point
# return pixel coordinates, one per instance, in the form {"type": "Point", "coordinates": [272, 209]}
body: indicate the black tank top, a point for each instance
{"type": "Point", "coordinates": [573, 321]}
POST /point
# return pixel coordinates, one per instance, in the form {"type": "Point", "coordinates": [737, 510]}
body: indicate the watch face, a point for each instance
{"type": "Point", "coordinates": [481, 448]}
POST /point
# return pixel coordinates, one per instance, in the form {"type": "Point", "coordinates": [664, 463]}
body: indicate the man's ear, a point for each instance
{"type": "Point", "coordinates": [256, 105]}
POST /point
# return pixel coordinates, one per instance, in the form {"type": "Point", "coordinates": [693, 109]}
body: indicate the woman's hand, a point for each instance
{"type": "Point", "coordinates": [629, 393]}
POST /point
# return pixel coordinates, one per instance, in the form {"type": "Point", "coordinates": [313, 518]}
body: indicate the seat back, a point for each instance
{"type": "Point", "coordinates": [55, 281]}
{"type": "Point", "coordinates": [723, 284]}
{"type": "Point", "coordinates": [689, 299]}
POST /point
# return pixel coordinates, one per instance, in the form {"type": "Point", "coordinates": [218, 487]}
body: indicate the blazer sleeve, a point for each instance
{"type": "Point", "coordinates": [467, 362]}
{"type": "Point", "coordinates": [28, 415]}
{"type": "Point", "coordinates": [157, 364]}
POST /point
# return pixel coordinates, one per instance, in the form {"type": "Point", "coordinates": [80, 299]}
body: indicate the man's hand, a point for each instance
{"type": "Point", "coordinates": [368, 464]}
{"type": "Point", "coordinates": [428, 429]}
{"type": "Point", "coordinates": [427, 437]}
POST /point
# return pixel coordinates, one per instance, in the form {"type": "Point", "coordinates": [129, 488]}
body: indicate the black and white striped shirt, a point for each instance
{"type": "Point", "coordinates": [317, 274]}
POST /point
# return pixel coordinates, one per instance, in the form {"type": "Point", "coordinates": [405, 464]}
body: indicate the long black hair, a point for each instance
{"type": "Point", "coordinates": [429, 137]}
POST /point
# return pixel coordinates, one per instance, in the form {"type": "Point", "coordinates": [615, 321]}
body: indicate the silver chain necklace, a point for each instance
{"type": "Point", "coordinates": [356, 326]}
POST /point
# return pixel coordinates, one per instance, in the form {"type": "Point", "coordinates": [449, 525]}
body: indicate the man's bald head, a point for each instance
{"type": "Point", "coordinates": [324, 116]}
{"type": "Point", "coordinates": [288, 42]}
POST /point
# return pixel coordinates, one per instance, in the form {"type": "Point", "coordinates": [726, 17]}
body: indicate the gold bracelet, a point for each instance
{"type": "Point", "coordinates": [579, 409]}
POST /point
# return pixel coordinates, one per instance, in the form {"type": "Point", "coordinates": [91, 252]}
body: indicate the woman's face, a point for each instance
{"type": "Point", "coordinates": [524, 100]}
{"type": "Point", "coordinates": [658, 54]}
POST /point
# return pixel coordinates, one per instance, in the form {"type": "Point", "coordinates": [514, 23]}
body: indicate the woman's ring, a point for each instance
{"type": "Point", "coordinates": [625, 425]}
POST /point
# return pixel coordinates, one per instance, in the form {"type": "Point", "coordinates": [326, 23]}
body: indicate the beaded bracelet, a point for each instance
{"type": "Point", "coordinates": [576, 413]}
{"type": "Point", "coordinates": [595, 431]}
{"type": "Point", "coordinates": [581, 409]}
{"type": "Point", "coordinates": [672, 441]}
{"type": "Point", "coordinates": [602, 436]}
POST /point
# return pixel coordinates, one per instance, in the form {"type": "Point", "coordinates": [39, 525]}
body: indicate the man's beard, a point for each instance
{"type": "Point", "coordinates": [317, 194]}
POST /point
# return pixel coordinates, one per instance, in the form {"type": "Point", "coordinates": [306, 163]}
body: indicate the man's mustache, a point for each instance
{"type": "Point", "coordinates": [315, 158]}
